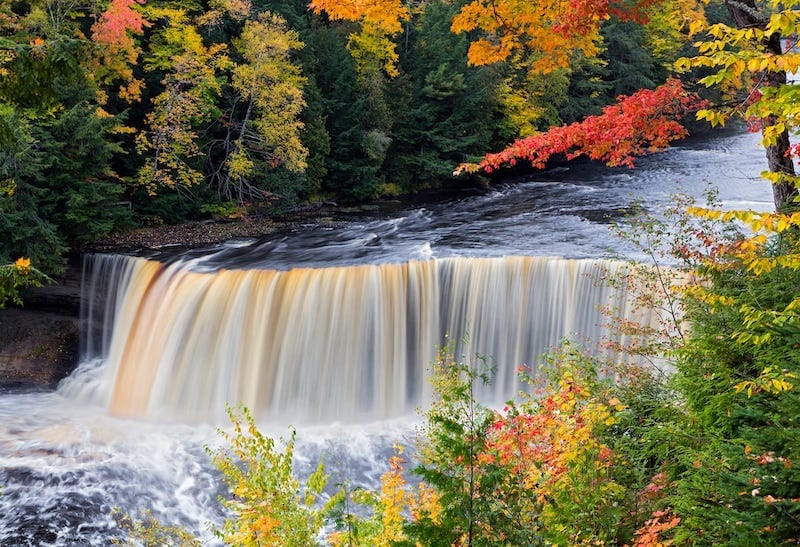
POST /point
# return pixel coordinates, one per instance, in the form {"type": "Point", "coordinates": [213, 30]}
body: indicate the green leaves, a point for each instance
{"type": "Point", "coordinates": [267, 503]}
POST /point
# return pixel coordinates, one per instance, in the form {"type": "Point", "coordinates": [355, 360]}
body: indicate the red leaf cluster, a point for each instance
{"type": "Point", "coordinates": [638, 124]}
{"type": "Point", "coordinates": [115, 23]}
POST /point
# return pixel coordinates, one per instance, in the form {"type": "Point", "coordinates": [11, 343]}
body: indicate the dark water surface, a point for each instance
{"type": "Point", "coordinates": [564, 212]}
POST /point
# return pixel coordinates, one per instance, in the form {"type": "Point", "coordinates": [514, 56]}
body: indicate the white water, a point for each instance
{"type": "Point", "coordinates": [338, 344]}
{"type": "Point", "coordinates": [109, 439]}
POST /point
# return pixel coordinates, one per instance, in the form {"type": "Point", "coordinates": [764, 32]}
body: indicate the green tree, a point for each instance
{"type": "Point", "coordinates": [737, 372]}
{"type": "Point", "coordinates": [352, 173]}
{"type": "Point", "coordinates": [448, 112]}
{"type": "Point", "coordinates": [452, 439]}
{"type": "Point", "coordinates": [58, 185]}
{"type": "Point", "coordinates": [630, 65]}
{"type": "Point", "coordinates": [25, 231]}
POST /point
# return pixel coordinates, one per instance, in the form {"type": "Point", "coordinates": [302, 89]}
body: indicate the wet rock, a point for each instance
{"type": "Point", "coordinates": [37, 348]}
{"type": "Point", "coordinates": [39, 342]}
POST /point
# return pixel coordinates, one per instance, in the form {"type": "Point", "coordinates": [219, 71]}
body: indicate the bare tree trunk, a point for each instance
{"type": "Point", "coordinates": [746, 15]}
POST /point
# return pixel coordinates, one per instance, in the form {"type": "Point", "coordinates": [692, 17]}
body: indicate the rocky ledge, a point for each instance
{"type": "Point", "coordinates": [39, 341]}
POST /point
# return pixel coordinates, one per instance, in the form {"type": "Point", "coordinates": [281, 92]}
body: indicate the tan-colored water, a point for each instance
{"type": "Point", "coordinates": [340, 343]}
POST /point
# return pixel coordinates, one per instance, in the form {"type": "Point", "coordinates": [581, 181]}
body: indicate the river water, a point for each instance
{"type": "Point", "coordinates": [67, 461]}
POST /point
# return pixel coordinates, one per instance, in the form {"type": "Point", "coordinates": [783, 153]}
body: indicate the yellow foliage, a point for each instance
{"type": "Point", "coordinates": [669, 24]}
{"type": "Point", "coordinates": [372, 47]}
{"type": "Point", "coordinates": [742, 64]}
{"type": "Point", "coordinates": [8, 187]}
{"type": "Point", "coordinates": [23, 265]}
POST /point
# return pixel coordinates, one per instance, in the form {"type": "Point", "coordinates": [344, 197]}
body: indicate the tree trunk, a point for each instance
{"type": "Point", "coordinates": [746, 15]}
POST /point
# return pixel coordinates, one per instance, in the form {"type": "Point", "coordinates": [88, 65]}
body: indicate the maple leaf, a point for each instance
{"type": "Point", "coordinates": [637, 124]}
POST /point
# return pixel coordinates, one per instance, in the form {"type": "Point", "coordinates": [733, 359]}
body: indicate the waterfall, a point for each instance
{"type": "Point", "coordinates": [321, 344]}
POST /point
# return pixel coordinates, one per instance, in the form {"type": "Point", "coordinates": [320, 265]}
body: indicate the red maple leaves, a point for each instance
{"type": "Point", "coordinates": [120, 18]}
{"type": "Point", "coordinates": [637, 124]}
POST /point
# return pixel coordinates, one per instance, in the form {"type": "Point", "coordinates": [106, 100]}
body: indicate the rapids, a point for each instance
{"type": "Point", "coordinates": [328, 327]}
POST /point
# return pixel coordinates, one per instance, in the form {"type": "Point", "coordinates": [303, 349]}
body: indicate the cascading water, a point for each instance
{"type": "Point", "coordinates": [328, 324]}
{"type": "Point", "coordinates": [347, 344]}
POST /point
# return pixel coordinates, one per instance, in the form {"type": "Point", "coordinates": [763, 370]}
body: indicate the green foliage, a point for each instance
{"type": "Point", "coordinates": [630, 66]}
{"type": "Point", "coordinates": [350, 172]}
{"type": "Point", "coordinates": [24, 229]}
{"type": "Point", "coordinates": [267, 504]}
{"type": "Point", "coordinates": [82, 193]}
{"type": "Point", "coordinates": [15, 276]}
{"type": "Point", "coordinates": [740, 392]}
{"type": "Point", "coordinates": [448, 110]}
{"type": "Point", "coordinates": [451, 440]}
{"type": "Point", "coordinates": [718, 442]}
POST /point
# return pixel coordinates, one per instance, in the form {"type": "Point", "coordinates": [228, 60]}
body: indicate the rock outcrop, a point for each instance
{"type": "Point", "coordinates": [39, 342]}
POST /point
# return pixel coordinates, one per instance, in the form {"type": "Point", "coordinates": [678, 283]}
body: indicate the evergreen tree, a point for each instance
{"type": "Point", "coordinates": [58, 188]}
{"type": "Point", "coordinates": [451, 111]}
{"type": "Point", "coordinates": [738, 483]}
{"type": "Point", "coordinates": [630, 65]}
{"type": "Point", "coordinates": [352, 173]}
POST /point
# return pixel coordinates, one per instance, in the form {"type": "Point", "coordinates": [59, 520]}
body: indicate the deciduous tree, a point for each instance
{"type": "Point", "coordinates": [548, 33]}
{"type": "Point", "coordinates": [372, 48]}
{"type": "Point", "coordinates": [749, 63]}
{"type": "Point", "coordinates": [643, 122]}
{"type": "Point", "coordinates": [264, 122]}
{"type": "Point", "coordinates": [191, 87]}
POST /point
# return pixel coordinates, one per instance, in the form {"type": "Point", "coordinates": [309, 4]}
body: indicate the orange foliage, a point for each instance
{"type": "Point", "coordinates": [386, 15]}
{"type": "Point", "coordinates": [114, 32]}
{"type": "Point", "coordinates": [115, 24]}
{"type": "Point", "coordinates": [649, 535]}
{"type": "Point", "coordinates": [551, 30]}
{"type": "Point", "coordinates": [551, 449]}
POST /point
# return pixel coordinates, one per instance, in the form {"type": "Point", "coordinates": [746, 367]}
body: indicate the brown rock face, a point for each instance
{"type": "Point", "coordinates": [39, 343]}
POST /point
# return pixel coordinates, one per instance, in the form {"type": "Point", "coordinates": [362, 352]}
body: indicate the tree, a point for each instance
{"type": "Point", "coordinates": [190, 89]}
{"type": "Point", "coordinates": [372, 48]}
{"type": "Point", "coordinates": [268, 95]}
{"type": "Point", "coordinates": [733, 479]}
{"type": "Point", "coordinates": [548, 34]}
{"type": "Point", "coordinates": [117, 50]}
{"type": "Point", "coordinates": [749, 64]}
{"type": "Point", "coordinates": [352, 173]}
{"type": "Point", "coordinates": [59, 189]}
{"type": "Point", "coordinates": [449, 110]}
{"type": "Point", "coordinates": [645, 121]}
{"type": "Point", "coordinates": [454, 436]}
{"type": "Point", "coordinates": [267, 505]}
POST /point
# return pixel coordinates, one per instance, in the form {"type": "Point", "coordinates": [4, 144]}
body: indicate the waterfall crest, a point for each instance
{"type": "Point", "coordinates": [320, 345]}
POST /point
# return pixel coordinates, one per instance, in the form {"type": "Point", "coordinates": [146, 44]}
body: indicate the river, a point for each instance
{"type": "Point", "coordinates": [68, 458]}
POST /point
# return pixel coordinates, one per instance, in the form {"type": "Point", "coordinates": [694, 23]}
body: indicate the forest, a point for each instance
{"type": "Point", "coordinates": [123, 113]}
{"type": "Point", "coordinates": [129, 113]}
